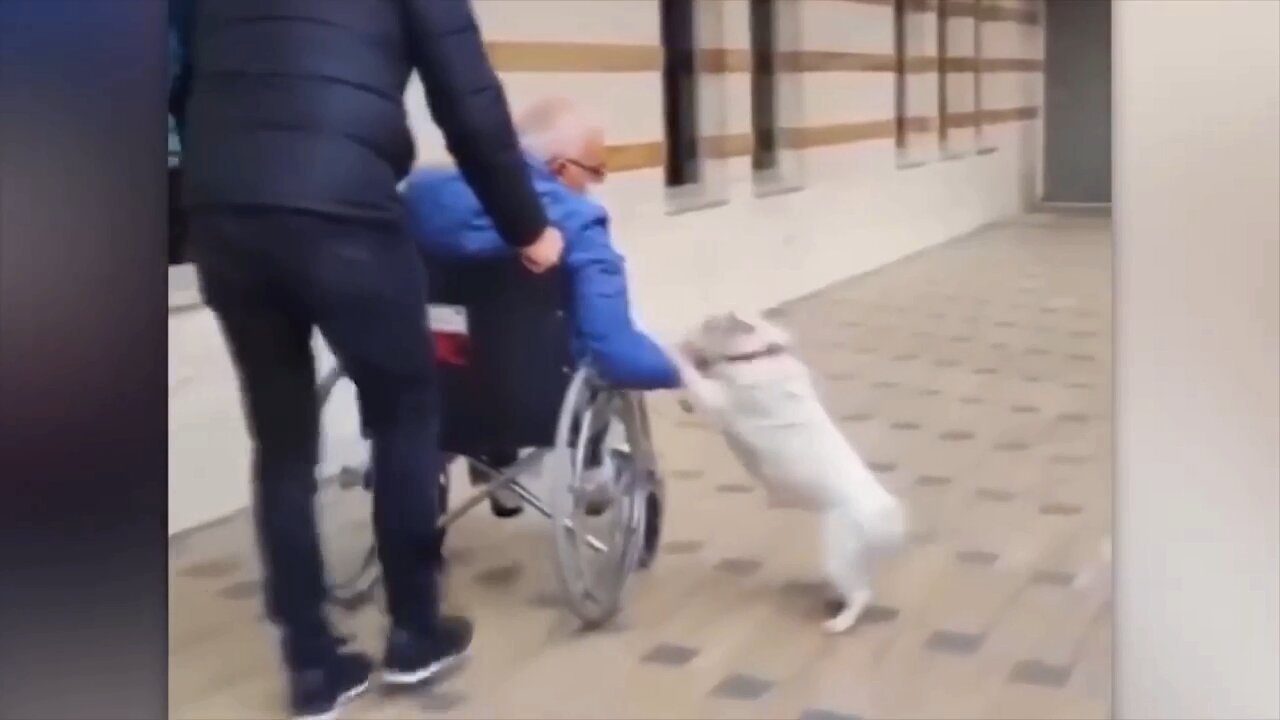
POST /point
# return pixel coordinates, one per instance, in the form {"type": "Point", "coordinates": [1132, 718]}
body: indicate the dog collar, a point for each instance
{"type": "Point", "coordinates": [770, 350]}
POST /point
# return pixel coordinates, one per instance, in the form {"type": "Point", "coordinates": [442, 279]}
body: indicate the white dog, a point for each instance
{"type": "Point", "coordinates": [740, 371]}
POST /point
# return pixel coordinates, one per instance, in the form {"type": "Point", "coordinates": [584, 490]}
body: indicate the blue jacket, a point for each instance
{"type": "Point", "coordinates": [447, 221]}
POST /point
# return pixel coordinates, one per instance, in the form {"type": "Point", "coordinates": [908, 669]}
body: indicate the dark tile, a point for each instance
{"type": "Point", "coordinates": [1032, 378]}
{"type": "Point", "coordinates": [999, 345]}
{"type": "Point", "coordinates": [960, 338]}
{"type": "Point", "coordinates": [885, 384]}
{"type": "Point", "coordinates": [211, 569]}
{"type": "Point", "coordinates": [842, 376]}
{"type": "Point", "coordinates": [994, 495]}
{"type": "Point", "coordinates": [956, 435]}
{"type": "Point", "coordinates": [949, 642]}
{"type": "Point", "coordinates": [1080, 385]}
{"type": "Point", "coordinates": [804, 588]}
{"type": "Point", "coordinates": [856, 417]}
{"type": "Point", "coordinates": [547, 600]}
{"type": "Point", "coordinates": [1038, 672]}
{"type": "Point", "coordinates": [1012, 446]}
{"type": "Point", "coordinates": [1037, 351]}
{"type": "Point", "coordinates": [933, 480]}
{"type": "Point", "coordinates": [878, 615]}
{"type": "Point", "coordinates": [243, 590]}
{"type": "Point", "coordinates": [977, 557]}
{"type": "Point", "coordinates": [741, 686]}
{"type": "Point", "coordinates": [1083, 333]}
{"type": "Point", "coordinates": [864, 351]}
{"type": "Point", "coordinates": [985, 371]}
{"type": "Point", "coordinates": [1064, 509]}
{"type": "Point", "coordinates": [500, 576]}
{"type": "Point", "coordinates": [905, 357]}
{"type": "Point", "coordinates": [682, 547]}
{"type": "Point", "coordinates": [1081, 357]}
{"type": "Point", "coordinates": [735, 489]}
{"type": "Point", "coordinates": [1006, 324]}
{"type": "Point", "coordinates": [922, 536]}
{"type": "Point", "coordinates": [971, 400]}
{"type": "Point", "coordinates": [821, 714]}
{"type": "Point", "coordinates": [440, 701]}
{"type": "Point", "coordinates": [905, 425]}
{"type": "Point", "coordinates": [669, 654]}
{"type": "Point", "coordinates": [739, 567]}
{"type": "Point", "coordinates": [1056, 578]}
{"type": "Point", "coordinates": [1065, 459]}
{"type": "Point", "coordinates": [946, 363]}
{"type": "Point", "coordinates": [1025, 409]}
{"type": "Point", "coordinates": [882, 467]}
{"type": "Point", "coordinates": [930, 392]}
{"type": "Point", "coordinates": [1074, 417]}
{"type": "Point", "coordinates": [686, 474]}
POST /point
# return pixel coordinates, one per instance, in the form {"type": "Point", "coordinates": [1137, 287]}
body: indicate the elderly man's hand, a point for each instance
{"type": "Point", "coordinates": [545, 252]}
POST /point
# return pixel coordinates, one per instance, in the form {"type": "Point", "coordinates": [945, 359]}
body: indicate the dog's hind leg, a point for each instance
{"type": "Point", "coordinates": [848, 566]}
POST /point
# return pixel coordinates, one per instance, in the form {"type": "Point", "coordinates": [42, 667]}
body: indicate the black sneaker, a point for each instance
{"type": "Point", "coordinates": [319, 693]}
{"type": "Point", "coordinates": [413, 658]}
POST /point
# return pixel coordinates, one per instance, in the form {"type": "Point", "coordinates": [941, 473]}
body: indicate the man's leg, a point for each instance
{"type": "Point", "coordinates": [269, 341]}
{"type": "Point", "coordinates": [368, 289]}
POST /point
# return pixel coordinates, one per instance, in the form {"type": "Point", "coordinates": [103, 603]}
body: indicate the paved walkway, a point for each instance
{"type": "Point", "coordinates": [975, 376]}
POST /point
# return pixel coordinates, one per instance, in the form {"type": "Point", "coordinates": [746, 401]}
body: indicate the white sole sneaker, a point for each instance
{"type": "Point", "coordinates": [344, 699]}
{"type": "Point", "coordinates": [414, 677]}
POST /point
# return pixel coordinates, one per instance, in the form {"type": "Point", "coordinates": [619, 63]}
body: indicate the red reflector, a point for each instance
{"type": "Point", "coordinates": [452, 349]}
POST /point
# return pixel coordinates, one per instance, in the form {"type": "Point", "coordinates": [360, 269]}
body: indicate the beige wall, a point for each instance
{"type": "Point", "coordinates": [859, 203]}
{"type": "Point", "coordinates": [1197, 177]}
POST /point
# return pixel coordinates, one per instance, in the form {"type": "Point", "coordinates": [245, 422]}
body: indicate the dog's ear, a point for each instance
{"type": "Point", "coordinates": [737, 324]}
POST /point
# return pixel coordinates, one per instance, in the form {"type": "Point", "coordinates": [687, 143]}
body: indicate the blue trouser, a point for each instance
{"type": "Point", "coordinates": [271, 277]}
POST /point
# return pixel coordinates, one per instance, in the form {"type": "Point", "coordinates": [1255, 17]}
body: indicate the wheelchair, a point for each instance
{"type": "Point", "coordinates": [502, 344]}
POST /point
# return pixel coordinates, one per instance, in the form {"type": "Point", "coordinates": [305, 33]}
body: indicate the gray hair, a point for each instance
{"type": "Point", "coordinates": [555, 127]}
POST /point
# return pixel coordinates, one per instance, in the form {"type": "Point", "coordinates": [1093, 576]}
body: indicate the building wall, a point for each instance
{"type": "Point", "coordinates": [848, 199]}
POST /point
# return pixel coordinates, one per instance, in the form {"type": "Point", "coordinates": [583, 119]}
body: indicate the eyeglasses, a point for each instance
{"type": "Point", "coordinates": [597, 172]}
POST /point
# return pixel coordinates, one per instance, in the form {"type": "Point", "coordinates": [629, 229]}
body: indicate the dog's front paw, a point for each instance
{"type": "Point", "coordinates": [848, 613]}
{"type": "Point", "coordinates": [839, 624]}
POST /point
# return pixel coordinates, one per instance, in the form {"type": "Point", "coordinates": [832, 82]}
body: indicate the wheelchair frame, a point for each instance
{"type": "Point", "coordinates": [592, 572]}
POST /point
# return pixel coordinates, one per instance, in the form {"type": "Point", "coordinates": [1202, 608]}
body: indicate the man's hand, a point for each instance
{"type": "Point", "coordinates": [545, 252]}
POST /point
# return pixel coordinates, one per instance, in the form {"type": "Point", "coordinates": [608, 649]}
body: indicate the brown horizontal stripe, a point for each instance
{"type": "Point", "coordinates": [548, 57]}
{"type": "Point", "coordinates": [986, 11]}
{"type": "Point", "coordinates": [643, 155]}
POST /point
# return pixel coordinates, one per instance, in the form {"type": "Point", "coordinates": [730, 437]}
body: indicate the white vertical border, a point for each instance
{"type": "Point", "coordinates": [1197, 177]}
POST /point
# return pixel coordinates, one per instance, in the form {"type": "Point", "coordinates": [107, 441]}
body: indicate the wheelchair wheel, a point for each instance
{"type": "Point", "coordinates": [593, 575]}
{"type": "Point", "coordinates": [343, 510]}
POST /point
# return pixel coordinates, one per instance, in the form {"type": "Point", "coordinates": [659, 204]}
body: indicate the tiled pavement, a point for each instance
{"type": "Point", "coordinates": [975, 376]}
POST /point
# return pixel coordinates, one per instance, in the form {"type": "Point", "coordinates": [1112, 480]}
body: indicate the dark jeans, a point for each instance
{"type": "Point", "coordinates": [271, 277]}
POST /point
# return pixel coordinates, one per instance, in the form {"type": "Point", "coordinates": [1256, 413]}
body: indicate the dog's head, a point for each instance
{"type": "Point", "coordinates": [735, 337]}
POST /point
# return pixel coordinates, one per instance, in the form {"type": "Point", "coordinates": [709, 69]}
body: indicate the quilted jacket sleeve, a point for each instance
{"type": "Point", "coordinates": [623, 354]}
{"type": "Point", "coordinates": [467, 102]}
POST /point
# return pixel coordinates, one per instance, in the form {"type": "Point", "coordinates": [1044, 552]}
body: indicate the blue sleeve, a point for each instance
{"type": "Point", "coordinates": [623, 355]}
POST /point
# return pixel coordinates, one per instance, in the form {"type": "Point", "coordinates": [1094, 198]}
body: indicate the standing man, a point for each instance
{"type": "Point", "coordinates": [295, 140]}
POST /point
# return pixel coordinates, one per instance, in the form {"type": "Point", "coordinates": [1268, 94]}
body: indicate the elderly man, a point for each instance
{"type": "Point", "coordinates": [565, 152]}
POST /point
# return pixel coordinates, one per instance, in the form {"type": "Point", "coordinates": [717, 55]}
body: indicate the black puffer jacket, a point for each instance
{"type": "Point", "coordinates": [300, 104]}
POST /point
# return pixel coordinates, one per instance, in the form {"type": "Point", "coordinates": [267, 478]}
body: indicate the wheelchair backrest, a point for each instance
{"type": "Point", "coordinates": [518, 360]}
